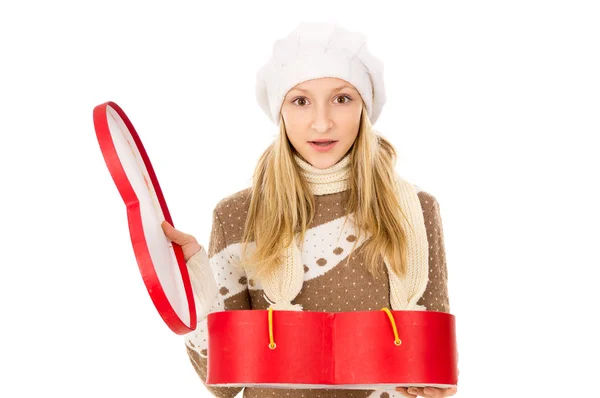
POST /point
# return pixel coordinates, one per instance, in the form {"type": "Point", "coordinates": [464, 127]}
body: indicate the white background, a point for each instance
{"type": "Point", "coordinates": [492, 106]}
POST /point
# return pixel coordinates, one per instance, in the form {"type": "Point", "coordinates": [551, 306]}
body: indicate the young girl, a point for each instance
{"type": "Point", "coordinates": [327, 225]}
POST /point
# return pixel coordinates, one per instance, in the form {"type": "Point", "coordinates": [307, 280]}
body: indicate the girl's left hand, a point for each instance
{"type": "Point", "coordinates": [428, 392]}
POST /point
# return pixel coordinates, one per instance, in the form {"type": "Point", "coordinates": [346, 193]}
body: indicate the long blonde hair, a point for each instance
{"type": "Point", "coordinates": [281, 202]}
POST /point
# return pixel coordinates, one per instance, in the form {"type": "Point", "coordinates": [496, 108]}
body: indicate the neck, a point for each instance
{"type": "Point", "coordinates": [326, 181]}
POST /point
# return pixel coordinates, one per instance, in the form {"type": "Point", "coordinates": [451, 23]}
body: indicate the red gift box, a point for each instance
{"type": "Point", "coordinates": [350, 350]}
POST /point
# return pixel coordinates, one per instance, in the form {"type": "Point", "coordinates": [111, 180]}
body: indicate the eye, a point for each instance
{"type": "Point", "coordinates": [348, 99]}
{"type": "Point", "coordinates": [297, 99]}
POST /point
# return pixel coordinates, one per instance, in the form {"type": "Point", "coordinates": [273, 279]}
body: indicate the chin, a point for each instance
{"type": "Point", "coordinates": [324, 161]}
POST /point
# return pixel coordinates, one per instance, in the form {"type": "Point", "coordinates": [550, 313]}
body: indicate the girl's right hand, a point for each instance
{"type": "Point", "coordinates": [188, 243]}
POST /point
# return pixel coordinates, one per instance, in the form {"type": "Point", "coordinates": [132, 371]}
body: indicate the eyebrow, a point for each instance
{"type": "Point", "coordinates": [333, 91]}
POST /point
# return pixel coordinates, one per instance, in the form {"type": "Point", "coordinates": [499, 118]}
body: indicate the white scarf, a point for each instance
{"type": "Point", "coordinates": [286, 282]}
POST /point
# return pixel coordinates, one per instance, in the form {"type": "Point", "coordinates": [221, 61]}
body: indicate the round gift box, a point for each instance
{"type": "Point", "coordinates": [350, 350]}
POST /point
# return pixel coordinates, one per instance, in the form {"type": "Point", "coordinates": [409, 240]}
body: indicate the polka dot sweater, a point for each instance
{"type": "Point", "coordinates": [329, 283]}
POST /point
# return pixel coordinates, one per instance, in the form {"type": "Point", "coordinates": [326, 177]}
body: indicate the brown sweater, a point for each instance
{"type": "Point", "coordinates": [329, 284]}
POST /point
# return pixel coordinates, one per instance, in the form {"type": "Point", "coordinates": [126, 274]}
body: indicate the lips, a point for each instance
{"type": "Point", "coordinates": [322, 146]}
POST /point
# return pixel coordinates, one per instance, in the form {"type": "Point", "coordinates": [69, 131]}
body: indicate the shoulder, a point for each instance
{"type": "Point", "coordinates": [238, 201]}
{"type": "Point", "coordinates": [231, 213]}
{"type": "Point", "coordinates": [428, 201]}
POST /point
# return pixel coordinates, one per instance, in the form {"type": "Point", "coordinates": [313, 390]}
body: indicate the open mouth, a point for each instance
{"type": "Point", "coordinates": [322, 146]}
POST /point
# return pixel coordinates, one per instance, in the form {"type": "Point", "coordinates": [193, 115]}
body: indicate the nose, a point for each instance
{"type": "Point", "coordinates": [322, 120]}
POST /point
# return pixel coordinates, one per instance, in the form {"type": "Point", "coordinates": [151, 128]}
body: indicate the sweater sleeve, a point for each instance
{"type": "Point", "coordinates": [219, 285]}
{"type": "Point", "coordinates": [435, 297]}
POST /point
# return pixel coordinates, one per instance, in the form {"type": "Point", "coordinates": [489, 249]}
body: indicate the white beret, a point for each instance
{"type": "Point", "coordinates": [320, 49]}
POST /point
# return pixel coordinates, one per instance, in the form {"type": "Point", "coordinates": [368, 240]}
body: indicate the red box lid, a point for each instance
{"type": "Point", "coordinates": [160, 261]}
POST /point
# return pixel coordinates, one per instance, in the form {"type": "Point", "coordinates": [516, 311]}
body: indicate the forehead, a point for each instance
{"type": "Point", "coordinates": [323, 84]}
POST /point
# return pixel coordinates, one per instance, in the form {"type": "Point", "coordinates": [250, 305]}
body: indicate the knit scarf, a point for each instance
{"type": "Point", "coordinates": [285, 283]}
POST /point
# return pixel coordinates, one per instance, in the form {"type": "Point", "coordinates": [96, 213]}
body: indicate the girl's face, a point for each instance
{"type": "Point", "coordinates": [322, 109]}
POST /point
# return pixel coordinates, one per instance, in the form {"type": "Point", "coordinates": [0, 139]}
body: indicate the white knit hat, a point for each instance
{"type": "Point", "coordinates": [320, 49]}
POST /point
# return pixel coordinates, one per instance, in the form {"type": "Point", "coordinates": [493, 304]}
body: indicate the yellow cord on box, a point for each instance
{"type": "Point", "coordinates": [272, 344]}
{"type": "Point", "coordinates": [397, 339]}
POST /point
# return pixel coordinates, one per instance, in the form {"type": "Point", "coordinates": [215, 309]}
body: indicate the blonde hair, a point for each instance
{"type": "Point", "coordinates": [282, 204]}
